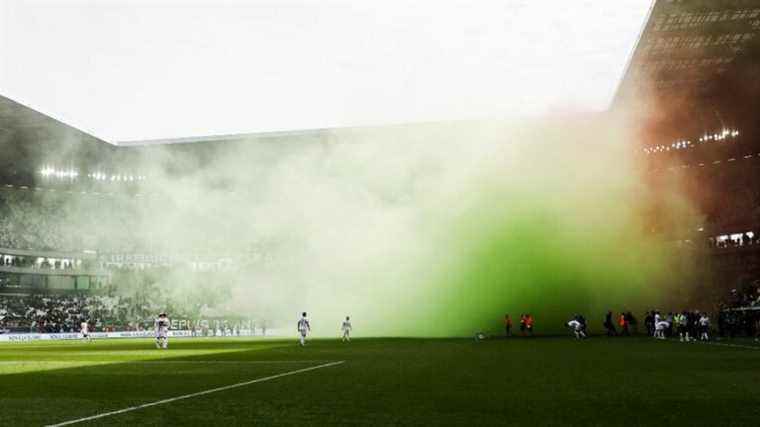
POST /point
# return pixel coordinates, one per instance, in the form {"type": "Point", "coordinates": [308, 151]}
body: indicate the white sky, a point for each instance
{"type": "Point", "coordinates": [134, 69]}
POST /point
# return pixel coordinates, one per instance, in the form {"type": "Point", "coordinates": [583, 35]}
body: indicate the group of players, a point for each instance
{"type": "Point", "coordinates": [689, 326]}
{"type": "Point", "coordinates": [526, 324]}
{"type": "Point", "coordinates": [304, 327]}
{"type": "Point", "coordinates": [161, 326]}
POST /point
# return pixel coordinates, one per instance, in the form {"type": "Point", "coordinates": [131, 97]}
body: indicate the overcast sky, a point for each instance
{"type": "Point", "coordinates": [132, 69]}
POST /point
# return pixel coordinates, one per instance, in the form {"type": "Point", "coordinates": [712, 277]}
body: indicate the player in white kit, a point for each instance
{"type": "Point", "coordinates": [704, 327]}
{"type": "Point", "coordinates": [85, 330]}
{"type": "Point", "coordinates": [303, 328]}
{"type": "Point", "coordinates": [577, 328]}
{"type": "Point", "coordinates": [346, 328]}
{"type": "Point", "coordinates": [660, 326]}
{"type": "Point", "coordinates": [162, 331]}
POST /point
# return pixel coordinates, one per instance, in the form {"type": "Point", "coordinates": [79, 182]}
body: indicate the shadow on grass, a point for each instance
{"type": "Point", "coordinates": [58, 383]}
{"type": "Point", "coordinates": [399, 381]}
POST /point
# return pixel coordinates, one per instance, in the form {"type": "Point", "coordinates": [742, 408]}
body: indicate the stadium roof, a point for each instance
{"type": "Point", "coordinates": [140, 70]}
{"type": "Point", "coordinates": [28, 137]}
{"type": "Point", "coordinates": [26, 125]}
{"type": "Point", "coordinates": [690, 47]}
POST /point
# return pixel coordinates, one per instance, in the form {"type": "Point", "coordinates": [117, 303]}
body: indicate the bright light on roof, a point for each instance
{"type": "Point", "coordinates": [139, 69]}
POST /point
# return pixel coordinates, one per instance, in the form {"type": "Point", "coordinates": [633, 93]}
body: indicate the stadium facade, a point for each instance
{"type": "Point", "coordinates": [692, 82]}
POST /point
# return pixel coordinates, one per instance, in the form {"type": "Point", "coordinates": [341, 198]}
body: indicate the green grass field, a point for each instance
{"type": "Point", "coordinates": [382, 382]}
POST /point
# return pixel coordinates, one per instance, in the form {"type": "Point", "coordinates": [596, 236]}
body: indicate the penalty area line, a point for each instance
{"type": "Point", "coordinates": [191, 395]}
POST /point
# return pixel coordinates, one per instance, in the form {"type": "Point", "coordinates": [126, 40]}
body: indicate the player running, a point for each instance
{"type": "Point", "coordinates": [162, 331]}
{"type": "Point", "coordinates": [346, 328]}
{"type": "Point", "coordinates": [84, 328]}
{"type": "Point", "coordinates": [303, 328]}
{"type": "Point", "coordinates": [577, 327]}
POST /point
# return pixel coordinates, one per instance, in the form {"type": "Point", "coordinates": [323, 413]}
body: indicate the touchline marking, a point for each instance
{"type": "Point", "coordinates": [750, 347]}
{"type": "Point", "coordinates": [154, 362]}
{"type": "Point", "coordinates": [200, 393]}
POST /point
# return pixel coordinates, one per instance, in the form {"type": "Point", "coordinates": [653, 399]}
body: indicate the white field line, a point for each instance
{"type": "Point", "coordinates": [200, 393]}
{"type": "Point", "coordinates": [153, 362]}
{"type": "Point", "coordinates": [750, 347]}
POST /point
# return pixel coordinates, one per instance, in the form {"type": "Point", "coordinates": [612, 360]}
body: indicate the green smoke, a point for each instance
{"type": "Point", "coordinates": [551, 228]}
{"type": "Point", "coordinates": [532, 259]}
{"type": "Point", "coordinates": [432, 230]}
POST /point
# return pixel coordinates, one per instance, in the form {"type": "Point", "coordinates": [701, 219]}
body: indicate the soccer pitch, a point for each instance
{"type": "Point", "coordinates": [380, 382]}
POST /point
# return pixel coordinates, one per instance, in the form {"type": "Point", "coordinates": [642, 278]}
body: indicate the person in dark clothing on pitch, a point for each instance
{"type": "Point", "coordinates": [649, 322]}
{"type": "Point", "coordinates": [623, 323]}
{"type": "Point", "coordinates": [583, 323]}
{"type": "Point", "coordinates": [609, 325]}
{"type": "Point", "coordinates": [632, 322]}
{"type": "Point", "coordinates": [507, 326]}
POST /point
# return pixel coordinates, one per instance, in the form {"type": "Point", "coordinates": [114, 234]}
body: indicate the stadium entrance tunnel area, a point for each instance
{"type": "Point", "coordinates": [540, 381]}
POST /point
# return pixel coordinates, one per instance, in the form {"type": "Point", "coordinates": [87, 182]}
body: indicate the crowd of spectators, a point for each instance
{"type": "Point", "coordinates": [739, 313]}
{"type": "Point", "coordinates": [59, 313]}
{"type": "Point", "coordinates": [38, 221]}
{"type": "Point", "coordinates": [732, 322]}
{"type": "Point", "coordinates": [744, 297]}
{"type": "Point", "coordinates": [25, 224]}
{"type": "Point", "coordinates": [49, 313]}
{"type": "Point", "coordinates": [734, 241]}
